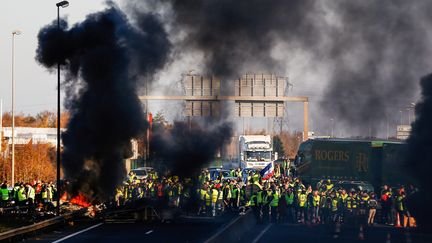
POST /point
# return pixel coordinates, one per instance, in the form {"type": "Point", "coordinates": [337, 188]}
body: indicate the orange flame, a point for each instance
{"type": "Point", "coordinates": [80, 200]}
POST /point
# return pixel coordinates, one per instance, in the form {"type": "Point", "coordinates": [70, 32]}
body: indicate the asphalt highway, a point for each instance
{"type": "Point", "coordinates": [186, 231]}
{"type": "Point", "coordinates": [322, 233]}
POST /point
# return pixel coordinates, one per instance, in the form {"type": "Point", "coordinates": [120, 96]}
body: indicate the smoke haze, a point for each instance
{"type": "Point", "coordinates": [186, 148]}
{"type": "Point", "coordinates": [418, 159]}
{"type": "Point", "coordinates": [103, 59]}
{"type": "Point", "coordinates": [358, 61]}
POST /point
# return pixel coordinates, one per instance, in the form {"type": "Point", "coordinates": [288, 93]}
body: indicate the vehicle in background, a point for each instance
{"type": "Point", "coordinates": [142, 172]}
{"type": "Point", "coordinates": [255, 151]}
{"type": "Point", "coordinates": [377, 162]}
{"type": "Point", "coordinates": [246, 171]}
{"type": "Point", "coordinates": [215, 172]}
{"type": "Point", "coordinates": [356, 185]}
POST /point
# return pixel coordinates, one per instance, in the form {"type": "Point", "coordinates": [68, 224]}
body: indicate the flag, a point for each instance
{"type": "Point", "coordinates": [267, 172]}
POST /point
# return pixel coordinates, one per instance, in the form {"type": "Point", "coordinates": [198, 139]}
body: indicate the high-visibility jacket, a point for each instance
{"type": "Point", "coordinates": [349, 202]}
{"type": "Point", "coordinates": [259, 198]}
{"type": "Point", "coordinates": [4, 194]}
{"type": "Point", "coordinates": [343, 197]}
{"type": "Point", "coordinates": [335, 202]}
{"type": "Point", "coordinates": [289, 198]}
{"type": "Point", "coordinates": [15, 192]}
{"type": "Point", "coordinates": [235, 193]}
{"type": "Point", "coordinates": [252, 200]}
{"type": "Point", "coordinates": [203, 194]}
{"type": "Point", "coordinates": [207, 198]}
{"type": "Point", "coordinates": [255, 178]}
{"type": "Point", "coordinates": [31, 193]}
{"type": "Point", "coordinates": [302, 200]}
{"type": "Point", "coordinates": [265, 198]}
{"type": "Point", "coordinates": [21, 195]}
{"type": "Point", "coordinates": [316, 200]}
{"type": "Point", "coordinates": [44, 194]}
{"type": "Point", "coordinates": [400, 203]}
{"type": "Point", "coordinates": [329, 187]}
{"type": "Point", "coordinates": [275, 200]}
{"type": "Point", "coordinates": [221, 194]}
{"type": "Point", "coordinates": [227, 192]}
{"type": "Point", "coordinates": [214, 195]}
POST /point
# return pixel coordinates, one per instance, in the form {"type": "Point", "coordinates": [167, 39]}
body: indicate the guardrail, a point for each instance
{"type": "Point", "coordinates": [38, 226]}
{"type": "Point", "coordinates": [234, 229]}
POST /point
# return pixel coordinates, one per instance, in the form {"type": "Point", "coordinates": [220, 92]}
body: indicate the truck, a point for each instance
{"type": "Point", "coordinates": [255, 151]}
{"type": "Point", "coordinates": [377, 162]}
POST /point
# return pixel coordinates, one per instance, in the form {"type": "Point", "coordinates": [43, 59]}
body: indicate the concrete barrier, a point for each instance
{"type": "Point", "coordinates": [234, 229]}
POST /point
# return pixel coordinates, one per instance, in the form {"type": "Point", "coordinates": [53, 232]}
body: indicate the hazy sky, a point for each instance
{"type": "Point", "coordinates": [35, 88]}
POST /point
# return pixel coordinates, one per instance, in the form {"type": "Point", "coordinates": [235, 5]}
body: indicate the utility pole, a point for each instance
{"type": "Point", "coordinates": [15, 32]}
{"type": "Point", "coordinates": [1, 126]}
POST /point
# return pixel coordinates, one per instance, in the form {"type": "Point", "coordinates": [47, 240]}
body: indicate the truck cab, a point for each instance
{"type": "Point", "coordinates": [255, 151]}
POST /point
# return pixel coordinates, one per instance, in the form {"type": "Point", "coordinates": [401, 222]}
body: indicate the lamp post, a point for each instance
{"type": "Point", "coordinates": [62, 4]}
{"type": "Point", "coordinates": [15, 32]}
{"type": "Point", "coordinates": [332, 126]}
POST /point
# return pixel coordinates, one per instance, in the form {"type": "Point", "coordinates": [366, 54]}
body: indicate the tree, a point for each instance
{"type": "Point", "coordinates": [43, 119]}
{"type": "Point", "coordinates": [278, 146]}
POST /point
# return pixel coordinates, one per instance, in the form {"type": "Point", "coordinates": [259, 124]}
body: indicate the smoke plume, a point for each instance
{"type": "Point", "coordinates": [343, 54]}
{"type": "Point", "coordinates": [418, 158]}
{"type": "Point", "coordinates": [104, 59]}
{"type": "Point", "coordinates": [185, 148]}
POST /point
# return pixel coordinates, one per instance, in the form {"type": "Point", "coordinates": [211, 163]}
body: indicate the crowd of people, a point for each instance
{"type": "Point", "coordinates": [36, 193]}
{"type": "Point", "coordinates": [280, 198]}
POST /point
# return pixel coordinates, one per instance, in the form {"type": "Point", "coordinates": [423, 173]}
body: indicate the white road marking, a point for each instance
{"type": "Point", "coordinates": [77, 233]}
{"type": "Point", "coordinates": [261, 233]}
{"type": "Point", "coordinates": [149, 232]}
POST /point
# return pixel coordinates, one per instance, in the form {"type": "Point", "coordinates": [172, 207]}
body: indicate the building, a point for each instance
{"type": "Point", "coordinates": [23, 135]}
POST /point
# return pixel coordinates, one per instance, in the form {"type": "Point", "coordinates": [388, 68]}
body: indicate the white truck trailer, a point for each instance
{"type": "Point", "coordinates": [255, 151]}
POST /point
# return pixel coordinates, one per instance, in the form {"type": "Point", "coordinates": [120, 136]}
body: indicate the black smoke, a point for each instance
{"type": "Point", "coordinates": [371, 51]}
{"type": "Point", "coordinates": [379, 49]}
{"type": "Point", "coordinates": [104, 59]}
{"type": "Point", "coordinates": [238, 36]}
{"type": "Point", "coordinates": [185, 147]}
{"type": "Point", "coordinates": [419, 158]}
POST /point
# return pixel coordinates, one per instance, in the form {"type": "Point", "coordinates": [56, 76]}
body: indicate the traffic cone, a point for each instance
{"type": "Point", "coordinates": [405, 221]}
{"type": "Point", "coordinates": [398, 225]}
{"type": "Point", "coordinates": [361, 233]}
{"type": "Point", "coordinates": [337, 230]}
{"type": "Point", "coordinates": [388, 240]}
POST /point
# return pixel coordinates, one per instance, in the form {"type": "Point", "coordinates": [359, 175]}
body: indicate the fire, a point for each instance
{"type": "Point", "coordinates": [80, 200]}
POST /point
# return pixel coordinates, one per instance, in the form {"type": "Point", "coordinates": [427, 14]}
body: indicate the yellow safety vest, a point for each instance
{"type": "Point", "coordinates": [302, 200]}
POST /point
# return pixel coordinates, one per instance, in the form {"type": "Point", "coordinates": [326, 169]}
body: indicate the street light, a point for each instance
{"type": "Point", "coordinates": [62, 4]}
{"type": "Point", "coordinates": [332, 126]}
{"type": "Point", "coordinates": [15, 32]}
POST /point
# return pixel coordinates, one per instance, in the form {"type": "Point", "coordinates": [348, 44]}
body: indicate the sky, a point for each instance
{"type": "Point", "coordinates": [35, 87]}
{"type": "Point", "coordinates": [309, 72]}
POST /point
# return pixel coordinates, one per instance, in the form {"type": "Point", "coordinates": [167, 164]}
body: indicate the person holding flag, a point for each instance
{"type": "Point", "coordinates": [267, 172]}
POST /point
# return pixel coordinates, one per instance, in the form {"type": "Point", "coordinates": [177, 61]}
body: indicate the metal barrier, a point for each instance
{"type": "Point", "coordinates": [38, 226]}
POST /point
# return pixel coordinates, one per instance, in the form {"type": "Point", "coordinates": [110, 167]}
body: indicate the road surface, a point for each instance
{"type": "Point", "coordinates": [322, 233]}
{"type": "Point", "coordinates": [188, 231]}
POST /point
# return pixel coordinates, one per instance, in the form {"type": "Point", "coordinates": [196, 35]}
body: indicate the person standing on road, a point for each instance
{"type": "Point", "coordinates": [316, 199]}
{"type": "Point", "coordinates": [289, 200]}
{"type": "Point", "coordinates": [401, 217]}
{"type": "Point", "coordinates": [274, 203]}
{"type": "Point", "coordinates": [4, 194]}
{"type": "Point", "coordinates": [302, 206]}
{"type": "Point", "coordinates": [363, 208]}
{"type": "Point", "coordinates": [30, 195]}
{"type": "Point", "coordinates": [21, 194]}
{"type": "Point", "coordinates": [373, 204]}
